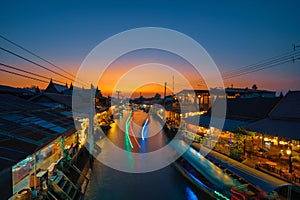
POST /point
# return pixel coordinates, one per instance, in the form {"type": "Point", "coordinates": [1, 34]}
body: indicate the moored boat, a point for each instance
{"type": "Point", "coordinates": [218, 183]}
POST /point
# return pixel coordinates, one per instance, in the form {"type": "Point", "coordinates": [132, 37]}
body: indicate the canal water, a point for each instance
{"type": "Point", "coordinates": [167, 183]}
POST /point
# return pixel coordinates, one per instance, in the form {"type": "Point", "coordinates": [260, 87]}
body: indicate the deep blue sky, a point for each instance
{"type": "Point", "coordinates": [235, 33]}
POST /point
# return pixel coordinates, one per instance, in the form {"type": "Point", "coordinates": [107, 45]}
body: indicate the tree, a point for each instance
{"type": "Point", "coordinates": [254, 87]}
{"type": "Point", "coordinates": [157, 96]}
{"type": "Point", "coordinates": [241, 131]}
{"type": "Point", "coordinates": [238, 148]}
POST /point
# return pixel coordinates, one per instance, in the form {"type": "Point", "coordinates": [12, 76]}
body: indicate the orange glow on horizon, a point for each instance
{"type": "Point", "coordinates": [113, 73]}
{"type": "Point", "coordinates": [149, 79]}
{"type": "Point", "coordinates": [22, 82]}
{"type": "Point", "coordinates": [149, 90]}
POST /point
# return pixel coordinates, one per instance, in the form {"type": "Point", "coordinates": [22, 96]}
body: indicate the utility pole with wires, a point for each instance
{"type": "Point", "coordinates": [274, 61]}
{"type": "Point", "coordinates": [91, 125]}
{"type": "Point", "coordinates": [295, 47]}
{"type": "Point", "coordinates": [173, 84]}
{"type": "Point", "coordinates": [165, 93]}
{"type": "Point", "coordinates": [118, 104]}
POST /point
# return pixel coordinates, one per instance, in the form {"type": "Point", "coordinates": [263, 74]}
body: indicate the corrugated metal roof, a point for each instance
{"type": "Point", "coordinates": [26, 127]}
{"type": "Point", "coordinates": [284, 119]}
{"type": "Point", "coordinates": [288, 108]}
{"type": "Point", "coordinates": [247, 109]}
{"type": "Point", "coordinates": [53, 99]}
{"type": "Point", "coordinates": [251, 108]}
{"type": "Point", "coordinates": [229, 125]}
{"type": "Point", "coordinates": [281, 128]}
{"type": "Point", "coordinates": [60, 88]}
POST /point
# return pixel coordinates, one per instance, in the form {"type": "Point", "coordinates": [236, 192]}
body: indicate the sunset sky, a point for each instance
{"type": "Point", "coordinates": [234, 33]}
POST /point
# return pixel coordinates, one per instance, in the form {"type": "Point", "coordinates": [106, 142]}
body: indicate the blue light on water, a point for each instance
{"type": "Point", "coordinates": [190, 194]}
{"type": "Point", "coordinates": [143, 129]}
{"type": "Point", "coordinates": [127, 131]}
{"type": "Point", "coordinates": [198, 181]}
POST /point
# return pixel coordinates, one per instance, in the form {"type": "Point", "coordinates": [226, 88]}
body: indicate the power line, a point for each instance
{"type": "Point", "coordinates": [41, 66]}
{"type": "Point", "coordinates": [261, 67]}
{"type": "Point", "coordinates": [30, 52]}
{"type": "Point", "coordinates": [34, 54]}
{"type": "Point", "coordinates": [22, 75]}
{"type": "Point", "coordinates": [21, 70]}
{"type": "Point", "coordinates": [265, 64]}
{"type": "Point", "coordinates": [8, 51]}
{"type": "Point", "coordinates": [258, 69]}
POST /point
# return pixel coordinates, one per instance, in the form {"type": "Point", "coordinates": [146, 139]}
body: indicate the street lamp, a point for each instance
{"type": "Point", "coordinates": [289, 153]}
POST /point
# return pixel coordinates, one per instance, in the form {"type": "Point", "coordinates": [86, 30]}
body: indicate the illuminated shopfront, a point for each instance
{"type": "Point", "coordinates": [44, 159]}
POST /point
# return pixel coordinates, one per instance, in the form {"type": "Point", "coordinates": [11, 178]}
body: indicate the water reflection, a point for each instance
{"type": "Point", "coordinates": [190, 194]}
{"type": "Point", "coordinates": [166, 183]}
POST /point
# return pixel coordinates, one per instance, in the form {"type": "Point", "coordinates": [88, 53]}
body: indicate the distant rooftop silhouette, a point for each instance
{"type": "Point", "coordinates": [55, 88]}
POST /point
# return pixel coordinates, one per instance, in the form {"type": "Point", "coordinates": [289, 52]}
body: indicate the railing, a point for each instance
{"type": "Point", "coordinates": [58, 189]}
{"type": "Point", "coordinates": [81, 174]}
{"type": "Point", "coordinates": [52, 195]}
{"type": "Point", "coordinates": [73, 185]}
{"type": "Point", "coordinates": [280, 173]}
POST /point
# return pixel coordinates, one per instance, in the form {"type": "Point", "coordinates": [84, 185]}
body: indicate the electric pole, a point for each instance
{"type": "Point", "coordinates": [118, 92]}
{"type": "Point", "coordinates": [173, 85]}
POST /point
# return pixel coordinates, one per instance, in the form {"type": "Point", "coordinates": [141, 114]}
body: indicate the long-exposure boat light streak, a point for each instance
{"type": "Point", "coordinates": [143, 129]}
